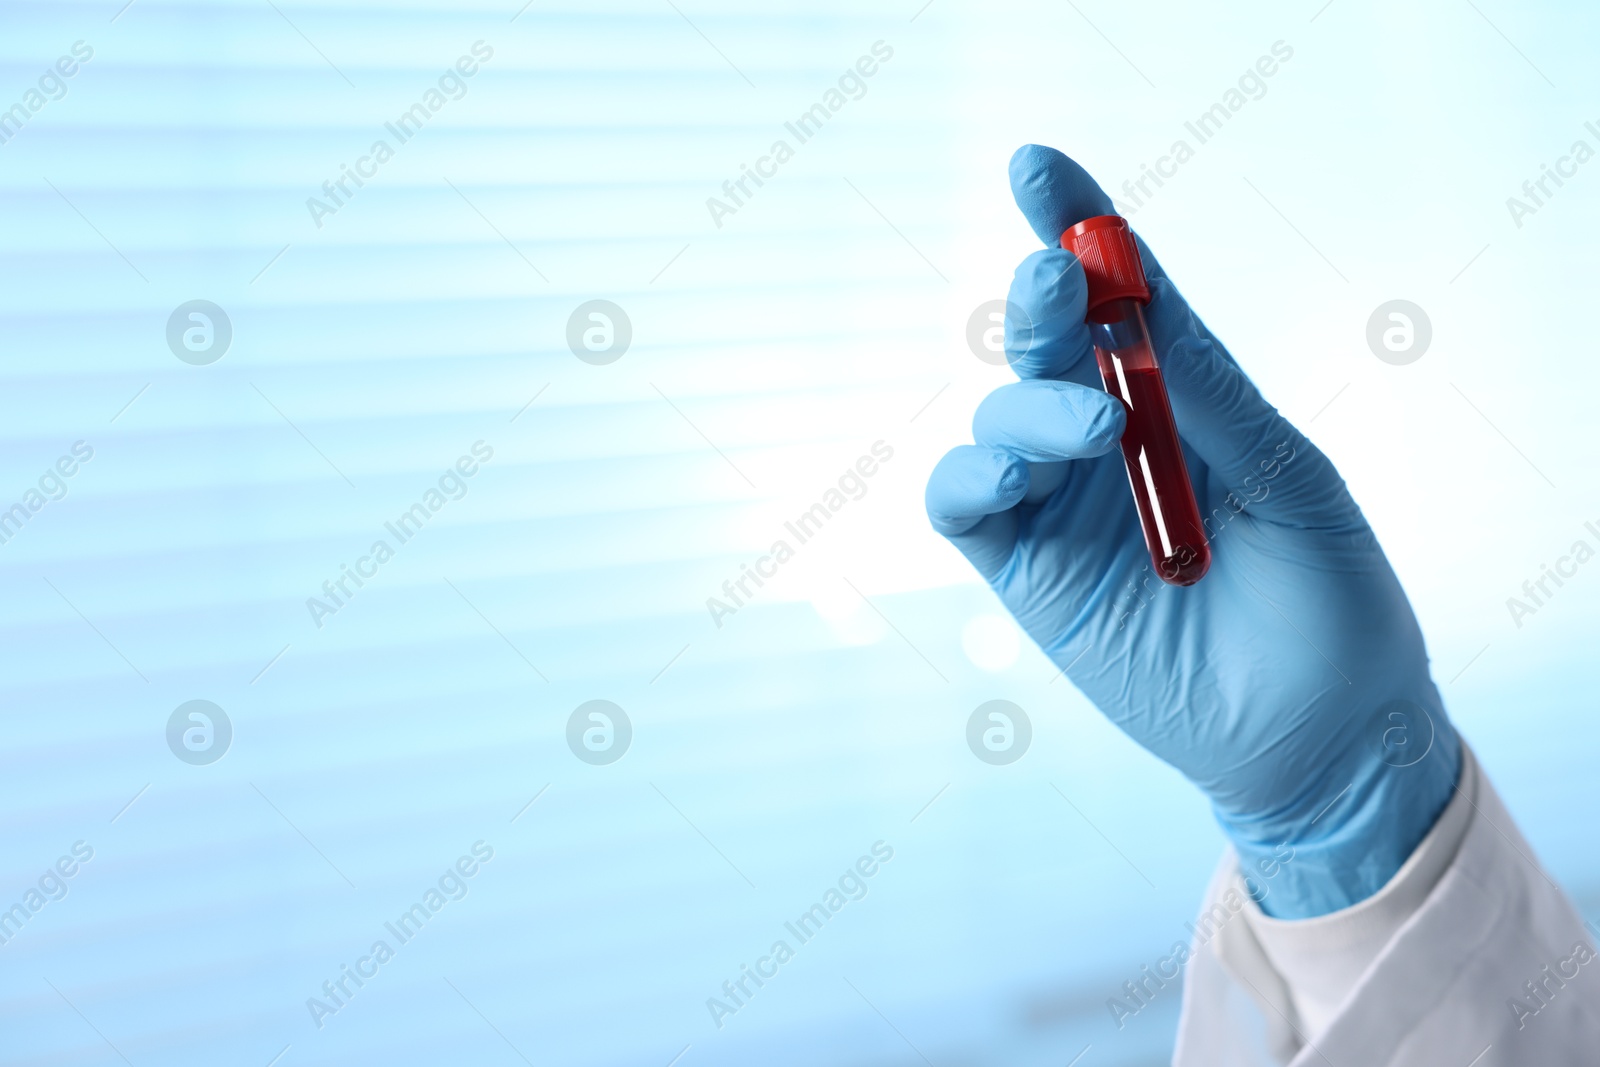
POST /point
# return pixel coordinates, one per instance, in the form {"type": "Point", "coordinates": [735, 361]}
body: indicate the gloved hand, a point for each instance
{"type": "Point", "coordinates": [1291, 683]}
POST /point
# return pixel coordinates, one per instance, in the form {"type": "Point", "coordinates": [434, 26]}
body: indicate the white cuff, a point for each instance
{"type": "Point", "coordinates": [1304, 970]}
{"type": "Point", "coordinates": [1471, 954]}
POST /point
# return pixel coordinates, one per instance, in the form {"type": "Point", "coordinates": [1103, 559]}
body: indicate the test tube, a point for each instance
{"type": "Point", "coordinates": [1157, 473]}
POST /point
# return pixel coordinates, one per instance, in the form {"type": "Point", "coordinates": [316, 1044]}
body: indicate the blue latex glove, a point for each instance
{"type": "Point", "coordinates": [1291, 683]}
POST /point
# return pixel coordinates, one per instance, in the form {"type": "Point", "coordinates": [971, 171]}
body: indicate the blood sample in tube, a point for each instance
{"type": "Point", "coordinates": [1157, 473]}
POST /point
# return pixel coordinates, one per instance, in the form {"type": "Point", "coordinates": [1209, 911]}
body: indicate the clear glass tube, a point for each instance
{"type": "Point", "coordinates": [1156, 470]}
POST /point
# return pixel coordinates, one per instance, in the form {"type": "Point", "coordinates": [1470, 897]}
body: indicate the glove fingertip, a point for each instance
{"type": "Point", "coordinates": [971, 482]}
{"type": "Point", "coordinates": [1104, 418]}
{"type": "Point", "coordinates": [1045, 312]}
{"type": "Point", "coordinates": [1053, 191]}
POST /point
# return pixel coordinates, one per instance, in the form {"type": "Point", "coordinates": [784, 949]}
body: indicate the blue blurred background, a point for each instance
{"type": "Point", "coordinates": [830, 311]}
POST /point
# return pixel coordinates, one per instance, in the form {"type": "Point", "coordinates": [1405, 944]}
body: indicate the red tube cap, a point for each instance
{"type": "Point", "coordinates": [1110, 258]}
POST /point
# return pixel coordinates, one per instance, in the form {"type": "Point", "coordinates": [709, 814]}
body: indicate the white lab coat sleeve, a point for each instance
{"type": "Point", "coordinates": [1471, 956]}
